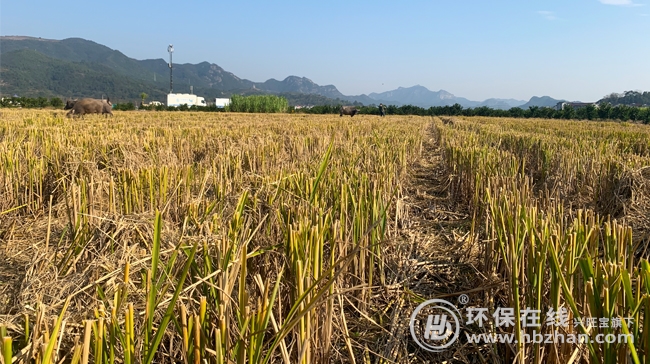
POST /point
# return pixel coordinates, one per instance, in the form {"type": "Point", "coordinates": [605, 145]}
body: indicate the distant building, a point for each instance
{"type": "Point", "coordinates": [575, 105]}
{"type": "Point", "coordinates": [221, 103]}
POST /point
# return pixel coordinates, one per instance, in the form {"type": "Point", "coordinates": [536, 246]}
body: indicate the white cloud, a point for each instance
{"type": "Point", "coordinates": [620, 2]}
{"type": "Point", "coordinates": [548, 15]}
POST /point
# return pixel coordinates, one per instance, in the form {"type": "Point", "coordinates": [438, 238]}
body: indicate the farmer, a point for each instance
{"type": "Point", "coordinates": [382, 109]}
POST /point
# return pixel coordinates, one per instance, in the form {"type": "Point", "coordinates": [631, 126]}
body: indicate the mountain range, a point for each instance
{"type": "Point", "coordinates": [76, 67]}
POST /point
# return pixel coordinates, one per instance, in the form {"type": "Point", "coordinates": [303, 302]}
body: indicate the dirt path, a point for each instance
{"type": "Point", "coordinates": [442, 255]}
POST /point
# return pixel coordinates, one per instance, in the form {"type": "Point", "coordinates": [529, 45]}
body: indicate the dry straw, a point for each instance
{"type": "Point", "coordinates": [237, 238]}
{"type": "Point", "coordinates": [166, 237]}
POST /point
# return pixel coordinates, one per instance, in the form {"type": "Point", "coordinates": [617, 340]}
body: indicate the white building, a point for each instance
{"type": "Point", "coordinates": [181, 99]}
{"type": "Point", "coordinates": [221, 103]}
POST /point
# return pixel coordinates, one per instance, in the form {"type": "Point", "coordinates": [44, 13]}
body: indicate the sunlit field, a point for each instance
{"type": "Point", "coordinates": [274, 238]}
{"type": "Point", "coordinates": [180, 236]}
{"type": "Point", "coordinates": [563, 213]}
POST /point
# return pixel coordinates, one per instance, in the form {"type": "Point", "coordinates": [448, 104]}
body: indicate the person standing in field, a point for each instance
{"type": "Point", "coordinates": [382, 110]}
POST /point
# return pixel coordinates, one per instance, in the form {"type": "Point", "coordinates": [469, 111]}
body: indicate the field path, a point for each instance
{"type": "Point", "coordinates": [442, 262]}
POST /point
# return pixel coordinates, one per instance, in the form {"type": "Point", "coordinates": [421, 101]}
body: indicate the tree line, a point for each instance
{"type": "Point", "coordinates": [604, 111]}
{"type": "Point", "coordinates": [31, 102]}
{"type": "Point", "coordinates": [271, 103]}
{"type": "Point", "coordinates": [631, 98]}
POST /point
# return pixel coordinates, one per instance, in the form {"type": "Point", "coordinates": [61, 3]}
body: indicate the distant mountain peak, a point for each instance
{"type": "Point", "coordinates": [541, 101]}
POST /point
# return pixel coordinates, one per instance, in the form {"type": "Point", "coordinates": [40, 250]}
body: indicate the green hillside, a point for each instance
{"type": "Point", "coordinates": [632, 98]}
{"type": "Point", "coordinates": [26, 72]}
{"type": "Point", "coordinates": [76, 67]}
{"type": "Point", "coordinates": [201, 76]}
{"type": "Point", "coordinates": [29, 73]}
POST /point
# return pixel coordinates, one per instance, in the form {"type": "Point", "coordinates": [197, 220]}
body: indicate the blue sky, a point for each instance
{"type": "Point", "coordinates": [478, 49]}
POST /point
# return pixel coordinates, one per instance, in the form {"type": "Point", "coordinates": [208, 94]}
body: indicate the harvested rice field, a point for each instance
{"type": "Point", "coordinates": [181, 237]}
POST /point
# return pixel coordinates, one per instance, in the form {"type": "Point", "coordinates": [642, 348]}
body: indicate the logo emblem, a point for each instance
{"type": "Point", "coordinates": [435, 325]}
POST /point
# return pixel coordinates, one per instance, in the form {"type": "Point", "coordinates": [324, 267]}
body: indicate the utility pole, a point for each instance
{"type": "Point", "coordinates": [170, 49]}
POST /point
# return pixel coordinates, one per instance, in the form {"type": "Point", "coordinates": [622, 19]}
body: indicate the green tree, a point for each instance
{"type": "Point", "coordinates": [592, 112]}
{"type": "Point", "coordinates": [644, 115]}
{"type": "Point", "coordinates": [56, 102]}
{"type": "Point", "coordinates": [143, 96]}
{"type": "Point", "coordinates": [516, 112]}
{"type": "Point", "coordinates": [604, 111]}
{"type": "Point", "coordinates": [124, 107]}
{"type": "Point", "coordinates": [618, 112]}
{"type": "Point", "coordinates": [456, 109]}
{"type": "Point", "coordinates": [41, 102]}
{"type": "Point", "coordinates": [533, 112]}
{"type": "Point", "coordinates": [568, 113]}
